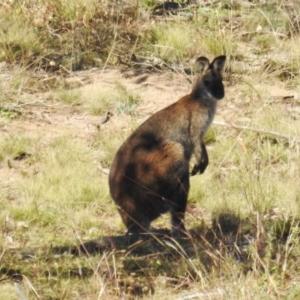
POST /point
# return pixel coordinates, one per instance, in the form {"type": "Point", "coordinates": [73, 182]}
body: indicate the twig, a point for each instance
{"type": "Point", "coordinates": [31, 287]}
{"type": "Point", "coordinates": [200, 295]}
{"type": "Point", "coordinates": [51, 31]}
{"type": "Point", "coordinates": [103, 170]}
{"type": "Point", "coordinates": [72, 74]}
{"type": "Point", "coordinates": [261, 32]}
{"type": "Point", "coordinates": [265, 131]}
{"type": "Point", "coordinates": [34, 103]}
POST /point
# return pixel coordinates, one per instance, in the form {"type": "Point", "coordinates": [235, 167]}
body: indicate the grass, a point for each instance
{"type": "Point", "coordinates": [70, 97]}
{"type": "Point", "coordinates": [18, 41]}
{"type": "Point", "coordinates": [127, 102]}
{"type": "Point", "coordinates": [170, 42]}
{"type": "Point", "coordinates": [243, 211]}
{"type": "Point", "coordinates": [15, 146]}
{"type": "Point", "coordinates": [117, 98]}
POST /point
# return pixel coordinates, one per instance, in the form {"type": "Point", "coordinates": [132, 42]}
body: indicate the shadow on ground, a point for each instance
{"type": "Point", "coordinates": [243, 242]}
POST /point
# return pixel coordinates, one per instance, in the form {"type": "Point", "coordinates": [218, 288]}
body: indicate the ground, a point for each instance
{"type": "Point", "coordinates": [45, 117]}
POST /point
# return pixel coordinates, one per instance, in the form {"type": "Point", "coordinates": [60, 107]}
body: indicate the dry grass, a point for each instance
{"type": "Point", "coordinates": [244, 211]}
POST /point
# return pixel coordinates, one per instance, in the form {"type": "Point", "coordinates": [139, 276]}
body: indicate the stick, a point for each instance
{"type": "Point", "coordinates": [271, 132]}
{"type": "Point", "coordinates": [103, 170]}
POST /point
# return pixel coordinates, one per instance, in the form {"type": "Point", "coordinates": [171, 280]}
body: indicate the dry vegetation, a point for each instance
{"type": "Point", "coordinates": [64, 65]}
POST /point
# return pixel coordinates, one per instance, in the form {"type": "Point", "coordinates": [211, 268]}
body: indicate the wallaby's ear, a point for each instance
{"type": "Point", "coordinates": [201, 65]}
{"type": "Point", "coordinates": [218, 63]}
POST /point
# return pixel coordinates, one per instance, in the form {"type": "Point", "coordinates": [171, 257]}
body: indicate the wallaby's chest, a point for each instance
{"type": "Point", "coordinates": [201, 118]}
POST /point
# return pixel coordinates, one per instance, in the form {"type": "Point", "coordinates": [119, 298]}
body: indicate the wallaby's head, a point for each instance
{"type": "Point", "coordinates": [209, 83]}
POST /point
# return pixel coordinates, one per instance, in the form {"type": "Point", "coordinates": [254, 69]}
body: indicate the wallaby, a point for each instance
{"type": "Point", "coordinates": [149, 175]}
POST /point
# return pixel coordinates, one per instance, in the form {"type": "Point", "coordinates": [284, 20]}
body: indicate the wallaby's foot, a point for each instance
{"type": "Point", "coordinates": [179, 235]}
{"type": "Point", "coordinates": [198, 169]}
{"type": "Point", "coordinates": [136, 233]}
{"type": "Point", "coordinates": [179, 232]}
{"type": "Point", "coordinates": [132, 238]}
{"type": "Point", "coordinates": [201, 166]}
{"type": "Point", "coordinates": [195, 170]}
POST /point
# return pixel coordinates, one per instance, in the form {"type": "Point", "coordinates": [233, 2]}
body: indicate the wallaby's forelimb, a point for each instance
{"type": "Point", "coordinates": [203, 161]}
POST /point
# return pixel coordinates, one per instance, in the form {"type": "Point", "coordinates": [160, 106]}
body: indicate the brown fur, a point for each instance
{"type": "Point", "coordinates": [150, 172]}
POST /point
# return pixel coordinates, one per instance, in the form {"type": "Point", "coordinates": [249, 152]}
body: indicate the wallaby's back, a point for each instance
{"type": "Point", "coordinates": [150, 172]}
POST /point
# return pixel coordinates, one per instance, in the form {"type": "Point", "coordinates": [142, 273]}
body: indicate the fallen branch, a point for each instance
{"type": "Point", "coordinates": [264, 131]}
{"type": "Point", "coordinates": [34, 103]}
{"type": "Point", "coordinates": [203, 295]}
{"type": "Point", "coordinates": [103, 170]}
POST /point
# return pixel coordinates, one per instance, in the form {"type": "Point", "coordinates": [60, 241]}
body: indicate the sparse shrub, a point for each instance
{"type": "Point", "coordinates": [127, 101]}
{"type": "Point", "coordinates": [72, 97]}
{"type": "Point", "coordinates": [220, 44]}
{"type": "Point", "coordinates": [265, 43]}
{"type": "Point", "coordinates": [284, 70]}
{"type": "Point", "coordinates": [19, 41]}
{"type": "Point", "coordinates": [12, 146]}
{"type": "Point", "coordinates": [75, 34]}
{"type": "Point", "coordinates": [118, 99]}
{"type": "Point", "coordinates": [172, 43]}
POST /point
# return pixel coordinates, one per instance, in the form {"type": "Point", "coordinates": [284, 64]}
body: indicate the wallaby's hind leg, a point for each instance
{"type": "Point", "coordinates": [178, 209]}
{"type": "Point", "coordinates": [136, 232]}
{"type": "Point", "coordinates": [137, 225]}
{"type": "Point", "coordinates": [135, 221]}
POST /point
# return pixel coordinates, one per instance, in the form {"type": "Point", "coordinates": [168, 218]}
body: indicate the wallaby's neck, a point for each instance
{"type": "Point", "coordinates": [202, 95]}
